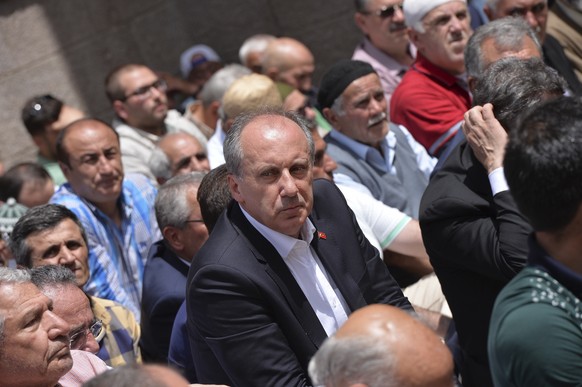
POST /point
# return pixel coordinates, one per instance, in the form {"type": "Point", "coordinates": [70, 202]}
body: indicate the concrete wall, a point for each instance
{"type": "Point", "coordinates": [66, 47]}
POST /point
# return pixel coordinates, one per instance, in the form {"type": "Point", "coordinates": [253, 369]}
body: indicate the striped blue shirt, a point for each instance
{"type": "Point", "coordinates": [117, 256]}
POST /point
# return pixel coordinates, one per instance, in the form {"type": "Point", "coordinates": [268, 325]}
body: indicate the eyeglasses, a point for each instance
{"type": "Point", "coordinates": [145, 92]}
{"type": "Point", "coordinates": [79, 339]}
{"type": "Point", "coordinates": [386, 11]}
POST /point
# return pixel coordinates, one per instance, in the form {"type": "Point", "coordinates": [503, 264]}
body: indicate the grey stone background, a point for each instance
{"type": "Point", "coordinates": [66, 47]}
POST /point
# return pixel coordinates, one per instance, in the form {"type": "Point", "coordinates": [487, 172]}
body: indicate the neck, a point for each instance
{"type": "Point", "coordinates": [564, 245]}
{"type": "Point", "coordinates": [111, 210]}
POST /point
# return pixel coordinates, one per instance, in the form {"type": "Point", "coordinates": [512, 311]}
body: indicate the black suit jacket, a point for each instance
{"type": "Point", "coordinates": [476, 243]}
{"type": "Point", "coordinates": [164, 290]}
{"type": "Point", "coordinates": [249, 323]}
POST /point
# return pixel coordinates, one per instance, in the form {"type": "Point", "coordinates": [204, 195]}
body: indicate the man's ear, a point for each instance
{"type": "Point", "coordinates": [472, 83]}
{"type": "Point", "coordinates": [65, 168]}
{"type": "Point", "coordinates": [413, 35]}
{"type": "Point", "coordinates": [173, 237]}
{"type": "Point", "coordinates": [360, 21]}
{"type": "Point", "coordinates": [120, 110]}
{"type": "Point", "coordinates": [272, 72]}
{"type": "Point", "coordinates": [234, 188]}
{"type": "Point", "coordinates": [331, 117]}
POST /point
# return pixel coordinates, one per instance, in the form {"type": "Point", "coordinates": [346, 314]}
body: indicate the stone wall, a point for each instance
{"type": "Point", "coordinates": [66, 47]}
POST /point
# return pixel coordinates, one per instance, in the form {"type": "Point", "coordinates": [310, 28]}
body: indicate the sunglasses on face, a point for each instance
{"type": "Point", "coordinates": [386, 11]}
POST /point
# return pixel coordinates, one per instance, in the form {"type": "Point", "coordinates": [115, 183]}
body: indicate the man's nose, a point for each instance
{"type": "Point", "coordinates": [56, 326]}
{"type": "Point", "coordinates": [66, 256]}
{"type": "Point", "coordinates": [288, 186]}
{"type": "Point", "coordinates": [329, 164]}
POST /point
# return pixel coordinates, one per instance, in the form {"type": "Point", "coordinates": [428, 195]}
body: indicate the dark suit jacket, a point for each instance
{"type": "Point", "coordinates": [249, 323]}
{"type": "Point", "coordinates": [164, 290]}
{"type": "Point", "coordinates": [476, 243]}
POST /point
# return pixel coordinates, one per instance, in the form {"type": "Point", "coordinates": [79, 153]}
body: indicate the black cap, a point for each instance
{"type": "Point", "coordinates": [338, 77]}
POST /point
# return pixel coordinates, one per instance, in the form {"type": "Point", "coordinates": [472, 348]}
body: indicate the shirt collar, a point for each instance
{"type": "Point", "coordinates": [390, 64]}
{"type": "Point", "coordinates": [281, 242]}
{"type": "Point", "coordinates": [366, 152]}
{"type": "Point", "coordinates": [431, 70]}
{"type": "Point", "coordinates": [539, 257]}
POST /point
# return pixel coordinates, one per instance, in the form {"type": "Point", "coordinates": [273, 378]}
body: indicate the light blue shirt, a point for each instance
{"type": "Point", "coordinates": [117, 256]}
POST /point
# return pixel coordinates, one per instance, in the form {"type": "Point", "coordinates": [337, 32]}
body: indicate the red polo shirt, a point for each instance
{"type": "Point", "coordinates": [429, 102]}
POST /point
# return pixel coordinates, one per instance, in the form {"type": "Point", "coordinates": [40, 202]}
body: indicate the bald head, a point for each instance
{"type": "Point", "coordinates": [381, 345]}
{"type": "Point", "coordinates": [290, 61]}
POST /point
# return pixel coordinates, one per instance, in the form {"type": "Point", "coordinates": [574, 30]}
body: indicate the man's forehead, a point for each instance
{"type": "Point", "coordinates": [17, 297]}
{"type": "Point", "coordinates": [365, 84]}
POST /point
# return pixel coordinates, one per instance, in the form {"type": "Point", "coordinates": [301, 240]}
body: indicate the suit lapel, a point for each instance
{"type": "Point", "coordinates": [278, 271]}
{"type": "Point", "coordinates": [331, 256]}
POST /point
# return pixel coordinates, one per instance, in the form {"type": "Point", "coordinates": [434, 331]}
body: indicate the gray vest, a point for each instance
{"type": "Point", "coordinates": [403, 190]}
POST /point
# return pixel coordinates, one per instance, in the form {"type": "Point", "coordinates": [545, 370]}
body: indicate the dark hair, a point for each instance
{"type": "Point", "coordinates": [128, 375]}
{"type": "Point", "coordinates": [213, 195]}
{"type": "Point", "coordinates": [38, 219]}
{"type": "Point", "coordinates": [62, 152]}
{"type": "Point", "coordinates": [543, 161]}
{"type": "Point", "coordinates": [40, 111]}
{"type": "Point", "coordinates": [13, 180]}
{"type": "Point", "coordinates": [514, 85]}
{"type": "Point", "coordinates": [51, 275]}
{"type": "Point", "coordinates": [113, 88]}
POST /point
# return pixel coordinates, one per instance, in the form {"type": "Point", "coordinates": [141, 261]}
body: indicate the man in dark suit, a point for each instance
{"type": "Point", "coordinates": [164, 286]}
{"type": "Point", "coordinates": [472, 230]}
{"type": "Point", "coordinates": [284, 266]}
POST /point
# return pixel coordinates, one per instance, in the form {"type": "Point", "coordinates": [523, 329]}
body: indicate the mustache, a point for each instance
{"type": "Point", "coordinates": [397, 27]}
{"type": "Point", "coordinates": [377, 119]}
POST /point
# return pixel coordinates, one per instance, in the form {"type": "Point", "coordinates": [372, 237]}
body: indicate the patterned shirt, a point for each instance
{"type": "Point", "coordinates": [117, 255]}
{"type": "Point", "coordinates": [119, 344]}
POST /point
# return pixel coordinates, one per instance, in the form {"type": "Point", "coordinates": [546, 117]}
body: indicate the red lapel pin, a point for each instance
{"type": "Point", "coordinates": [321, 235]}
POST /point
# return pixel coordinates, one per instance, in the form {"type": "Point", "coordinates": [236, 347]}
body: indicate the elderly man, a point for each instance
{"type": "Point", "coordinates": [386, 45]}
{"type": "Point", "coordinates": [117, 213]}
{"type": "Point", "coordinates": [138, 97]}
{"type": "Point", "coordinates": [381, 345]}
{"type": "Point", "coordinates": [164, 284]}
{"type": "Point", "coordinates": [383, 157]}
{"type": "Point", "coordinates": [432, 97]}
{"type": "Point", "coordinates": [69, 303]}
{"type": "Point", "coordinates": [177, 154]}
{"type": "Point", "coordinates": [52, 235]}
{"type": "Point", "coordinates": [44, 117]}
{"type": "Point", "coordinates": [277, 271]}
{"type": "Point", "coordinates": [535, 336]}
{"type": "Point", "coordinates": [34, 341]}
{"type": "Point", "coordinates": [535, 12]}
{"type": "Point", "coordinates": [473, 232]}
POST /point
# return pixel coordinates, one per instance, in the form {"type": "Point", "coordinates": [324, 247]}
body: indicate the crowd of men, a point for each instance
{"type": "Point", "coordinates": [413, 219]}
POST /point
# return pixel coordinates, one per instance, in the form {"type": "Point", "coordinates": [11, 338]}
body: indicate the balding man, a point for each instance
{"type": "Point", "coordinates": [177, 154]}
{"type": "Point", "coordinates": [433, 96]}
{"type": "Point", "coordinates": [252, 51]}
{"type": "Point", "coordinates": [379, 346]}
{"type": "Point", "coordinates": [117, 213]}
{"type": "Point", "coordinates": [290, 61]}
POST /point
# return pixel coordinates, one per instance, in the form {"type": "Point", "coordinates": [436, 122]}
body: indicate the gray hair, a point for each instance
{"type": "Point", "coordinates": [51, 276]}
{"type": "Point", "coordinates": [10, 276]}
{"type": "Point", "coordinates": [128, 375]}
{"type": "Point", "coordinates": [220, 81]}
{"type": "Point", "coordinates": [515, 85]}
{"type": "Point", "coordinates": [159, 163]}
{"type": "Point", "coordinates": [508, 34]}
{"type": "Point", "coordinates": [350, 360]}
{"type": "Point", "coordinates": [171, 205]}
{"type": "Point", "coordinates": [36, 220]}
{"type": "Point", "coordinates": [338, 106]}
{"type": "Point", "coordinates": [233, 152]}
{"type": "Point", "coordinates": [258, 42]}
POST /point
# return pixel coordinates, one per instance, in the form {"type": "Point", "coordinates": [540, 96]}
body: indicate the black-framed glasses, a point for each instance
{"type": "Point", "coordinates": [522, 11]}
{"type": "Point", "coordinates": [145, 92]}
{"type": "Point", "coordinates": [386, 11]}
{"type": "Point", "coordinates": [79, 339]}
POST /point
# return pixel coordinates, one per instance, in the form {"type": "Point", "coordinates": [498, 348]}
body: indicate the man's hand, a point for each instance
{"type": "Point", "coordinates": [485, 136]}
